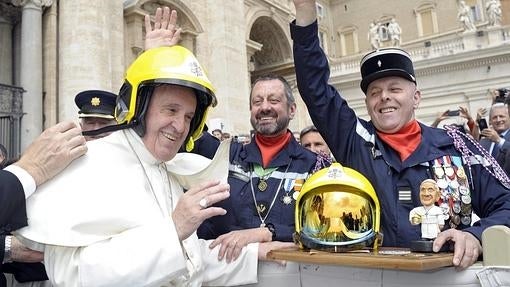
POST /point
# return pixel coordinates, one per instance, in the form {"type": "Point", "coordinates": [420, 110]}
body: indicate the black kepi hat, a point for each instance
{"type": "Point", "coordinates": [385, 63]}
{"type": "Point", "coordinates": [96, 103]}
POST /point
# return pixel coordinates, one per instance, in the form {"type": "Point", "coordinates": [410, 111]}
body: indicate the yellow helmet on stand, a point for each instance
{"type": "Point", "coordinates": [337, 210]}
{"type": "Point", "coordinates": [174, 65]}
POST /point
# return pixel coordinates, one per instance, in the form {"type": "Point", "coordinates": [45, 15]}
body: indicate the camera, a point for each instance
{"type": "Point", "coordinates": [453, 113]}
{"type": "Point", "coordinates": [482, 124]}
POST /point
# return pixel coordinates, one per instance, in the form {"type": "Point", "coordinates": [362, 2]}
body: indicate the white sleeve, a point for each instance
{"type": "Point", "coordinates": [27, 181]}
{"type": "Point", "coordinates": [142, 256]}
{"type": "Point", "coordinates": [239, 272]}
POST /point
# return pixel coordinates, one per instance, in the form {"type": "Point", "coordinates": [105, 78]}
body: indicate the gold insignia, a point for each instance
{"type": "Point", "coordinates": [95, 101]}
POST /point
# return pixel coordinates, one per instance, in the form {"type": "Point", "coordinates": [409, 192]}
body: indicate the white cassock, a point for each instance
{"type": "Point", "coordinates": [431, 218]}
{"type": "Point", "coordinates": [106, 220]}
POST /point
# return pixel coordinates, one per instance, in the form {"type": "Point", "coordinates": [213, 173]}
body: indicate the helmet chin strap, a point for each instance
{"type": "Point", "coordinates": [108, 129]}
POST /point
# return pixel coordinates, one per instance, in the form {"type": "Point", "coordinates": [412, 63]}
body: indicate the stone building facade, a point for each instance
{"type": "Point", "coordinates": [52, 49]}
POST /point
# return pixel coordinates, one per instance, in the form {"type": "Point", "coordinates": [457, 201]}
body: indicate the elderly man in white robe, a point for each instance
{"type": "Point", "coordinates": [118, 215]}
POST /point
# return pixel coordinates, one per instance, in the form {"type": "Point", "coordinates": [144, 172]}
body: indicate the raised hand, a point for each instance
{"type": "Point", "coordinates": [194, 206]}
{"type": "Point", "coordinates": [165, 33]}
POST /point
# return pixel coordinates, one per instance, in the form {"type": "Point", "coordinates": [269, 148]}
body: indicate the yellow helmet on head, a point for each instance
{"type": "Point", "coordinates": [174, 65]}
{"type": "Point", "coordinates": [337, 210]}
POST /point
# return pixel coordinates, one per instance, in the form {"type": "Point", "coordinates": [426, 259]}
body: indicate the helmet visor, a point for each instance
{"type": "Point", "coordinates": [337, 219]}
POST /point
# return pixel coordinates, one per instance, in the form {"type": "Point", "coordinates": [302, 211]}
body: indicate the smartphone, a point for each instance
{"type": "Point", "coordinates": [453, 113]}
{"type": "Point", "coordinates": [482, 124]}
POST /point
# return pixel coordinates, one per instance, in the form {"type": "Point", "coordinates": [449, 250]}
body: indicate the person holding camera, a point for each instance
{"type": "Point", "coordinates": [463, 113]}
{"type": "Point", "coordinates": [496, 138]}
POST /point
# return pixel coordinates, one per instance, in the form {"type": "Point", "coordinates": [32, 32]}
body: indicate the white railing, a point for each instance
{"type": "Point", "coordinates": [454, 42]}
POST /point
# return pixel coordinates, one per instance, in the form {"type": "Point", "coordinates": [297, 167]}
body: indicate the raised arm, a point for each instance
{"type": "Point", "coordinates": [306, 12]}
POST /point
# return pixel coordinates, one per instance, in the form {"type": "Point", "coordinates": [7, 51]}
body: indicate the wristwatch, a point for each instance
{"type": "Point", "coordinates": [271, 228]}
{"type": "Point", "coordinates": [7, 249]}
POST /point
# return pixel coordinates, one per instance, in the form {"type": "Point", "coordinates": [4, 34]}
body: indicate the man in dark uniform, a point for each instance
{"type": "Point", "coordinates": [206, 145]}
{"type": "Point", "coordinates": [264, 174]}
{"type": "Point", "coordinates": [396, 152]}
{"type": "Point", "coordinates": [97, 110]}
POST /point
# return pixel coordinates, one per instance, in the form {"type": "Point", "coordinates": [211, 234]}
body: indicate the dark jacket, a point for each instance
{"type": "Point", "coordinates": [354, 143]}
{"type": "Point", "coordinates": [13, 216]}
{"type": "Point", "coordinates": [292, 162]}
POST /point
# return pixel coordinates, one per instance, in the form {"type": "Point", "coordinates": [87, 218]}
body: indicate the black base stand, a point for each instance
{"type": "Point", "coordinates": [422, 246]}
{"type": "Point", "coordinates": [425, 246]}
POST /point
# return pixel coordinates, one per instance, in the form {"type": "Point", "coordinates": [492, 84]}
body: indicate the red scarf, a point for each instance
{"type": "Point", "coordinates": [405, 141]}
{"type": "Point", "coordinates": [270, 146]}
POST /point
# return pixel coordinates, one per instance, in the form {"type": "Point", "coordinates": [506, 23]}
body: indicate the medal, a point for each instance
{"type": "Point", "coordinates": [438, 171]}
{"type": "Point", "coordinates": [456, 207]}
{"type": "Point", "coordinates": [295, 195]}
{"type": "Point", "coordinates": [448, 169]}
{"type": "Point", "coordinates": [287, 199]}
{"type": "Point", "coordinates": [463, 190]}
{"type": "Point", "coordinates": [261, 208]}
{"type": "Point", "coordinates": [263, 174]}
{"type": "Point", "coordinates": [262, 186]}
{"type": "Point", "coordinates": [466, 220]}
{"type": "Point", "coordinates": [459, 170]}
{"type": "Point", "coordinates": [460, 173]}
{"type": "Point", "coordinates": [456, 219]}
{"type": "Point", "coordinates": [466, 199]}
{"type": "Point", "coordinates": [454, 184]}
{"type": "Point", "coordinates": [442, 183]}
{"type": "Point", "coordinates": [466, 209]}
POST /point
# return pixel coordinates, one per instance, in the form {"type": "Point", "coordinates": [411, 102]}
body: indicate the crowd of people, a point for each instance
{"type": "Point", "coordinates": [130, 203]}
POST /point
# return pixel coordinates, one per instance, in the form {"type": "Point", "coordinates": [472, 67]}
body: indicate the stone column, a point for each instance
{"type": "Point", "coordinates": [31, 68]}
{"type": "Point", "coordinates": [5, 51]}
{"type": "Point", "coordinates": [50, 71]}
{"type": "Point", "coordinates": [90, 50]}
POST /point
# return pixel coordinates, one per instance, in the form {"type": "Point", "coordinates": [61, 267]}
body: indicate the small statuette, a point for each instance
{"type": "Point", "coordinates": [287, 199]}
{"type": "Point", "coordinates": [262, 185]}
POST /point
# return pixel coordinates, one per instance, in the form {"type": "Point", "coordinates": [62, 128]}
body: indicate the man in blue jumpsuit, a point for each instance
{"type": "Point", "coordinates": [394, 151]}
{"type": "Point", "coordinates": [264, 174]}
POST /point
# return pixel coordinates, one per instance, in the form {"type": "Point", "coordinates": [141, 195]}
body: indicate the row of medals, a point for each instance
{"type": "Point", "coordinates": [455, 195]}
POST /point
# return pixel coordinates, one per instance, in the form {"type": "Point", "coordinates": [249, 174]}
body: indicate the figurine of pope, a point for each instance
{"type": "Point", "coordinates": [429, 215]}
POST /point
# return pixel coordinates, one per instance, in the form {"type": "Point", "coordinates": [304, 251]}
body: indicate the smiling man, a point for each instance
{"type": "Point", "coordinates": [497, 138]}
{"type": "Point", "coordinates": [396, 152]}
{"type": "Point", "coordinates": [127, 221]}
{"type": "Point", "coordinates": [264, 174]}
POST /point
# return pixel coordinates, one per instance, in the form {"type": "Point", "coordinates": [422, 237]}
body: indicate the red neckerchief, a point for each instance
{"type": "Point", "coordinates": [405, 141]}
{"type": "Point", "coordinates": [270, 146]}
